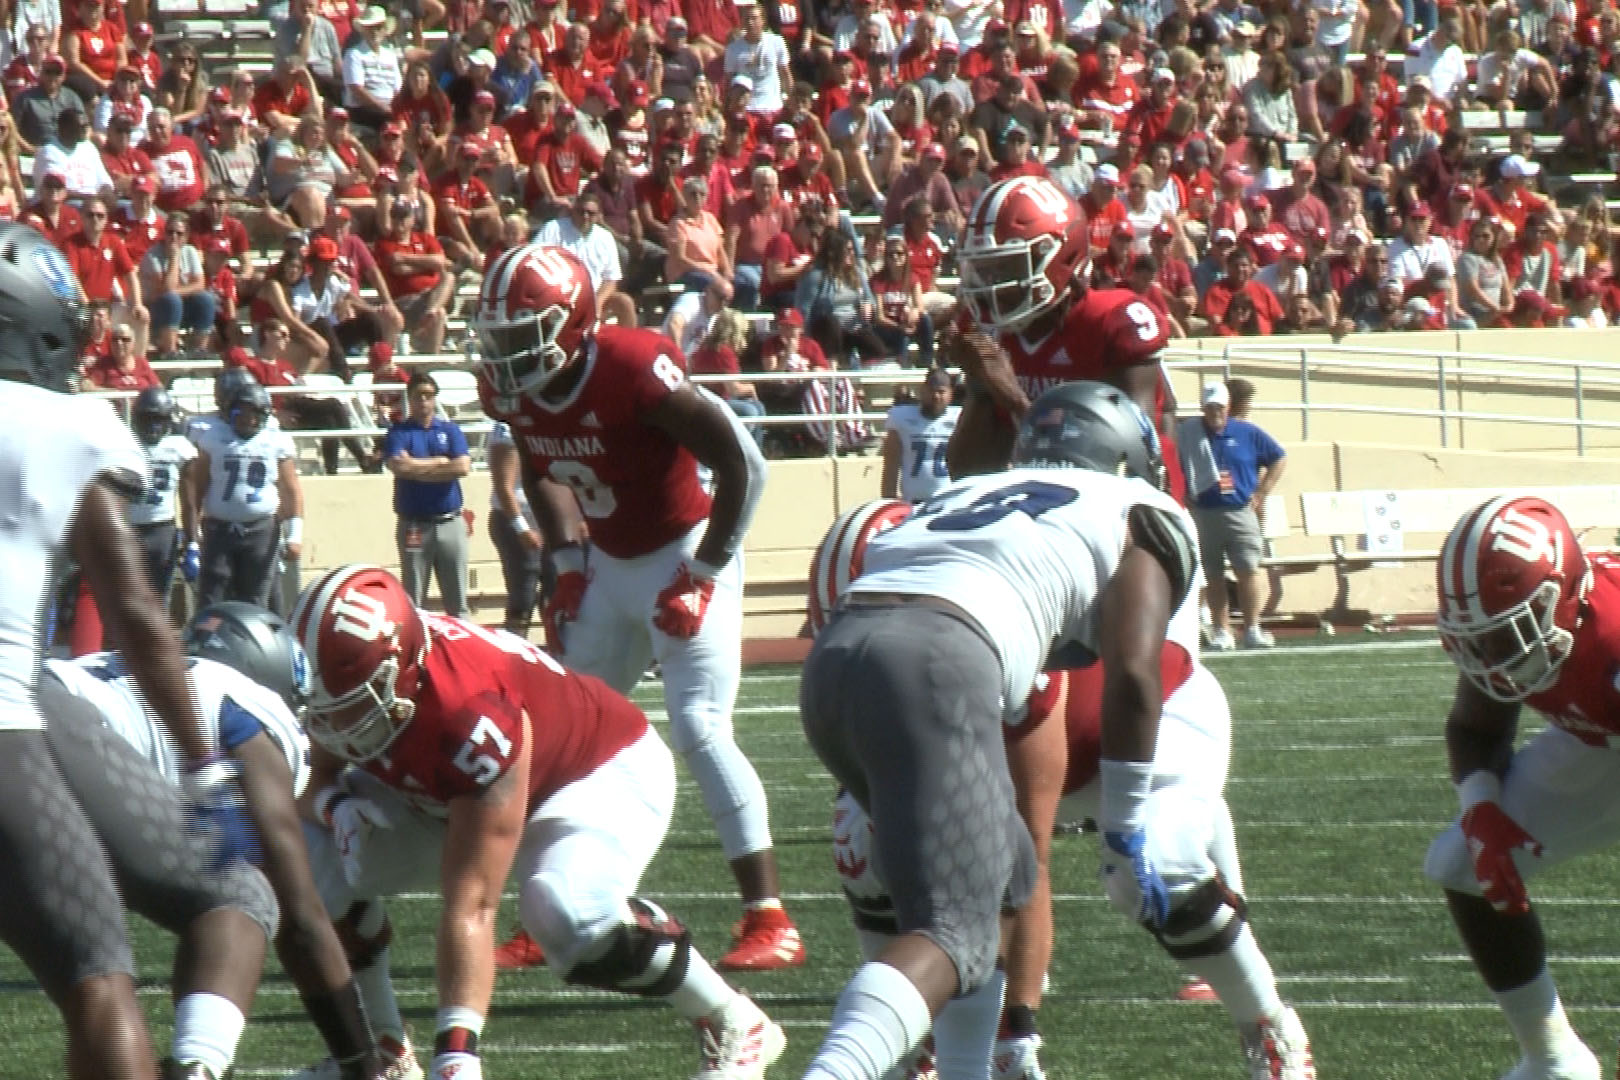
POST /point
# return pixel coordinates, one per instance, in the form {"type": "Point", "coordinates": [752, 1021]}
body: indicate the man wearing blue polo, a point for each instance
{"type": "Point", "coordinates": [1231, 466]}
{"type": "Point", "coordinates": [428, 457]}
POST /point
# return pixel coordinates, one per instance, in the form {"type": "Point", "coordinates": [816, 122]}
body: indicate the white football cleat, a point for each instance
{"type": "Point", "coordinates": [1279, 1049]}
{"type": "Point", "coordinates": [1221, 641]}
{"type": "Point", "coordinates": [1576, 1063]}
{"type": "Point", "coordinates": [399, 1063]}
{"type": "Point", "coordinates": [1256, 638]}
{"type": "Point", "coordinates": [738, 1042]}
{"type": "Point", "coordinates": [1017, 1059]}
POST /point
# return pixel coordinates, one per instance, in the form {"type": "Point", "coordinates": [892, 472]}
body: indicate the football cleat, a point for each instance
{"type": "Point", "coordinates": [1257, 638]}
{"type": "Point", "coordinates": [1576, 1063]}
{"type": "Point", "coordinates": [1278, 1049]}
{"type": "Point", "coordinates": [1220, 641]}
{"type": "Point", "coordinates": [1197, 990]}
{"type": "Point", "coordinates": [1017, 1059]}
{"type": "Point", "coordinates": [521, 951]}
{"type": "Point", "coordinates": [399, 1063]}
{"type": "Point", "coordinates": [185, 1070]}
{"type": "Point", "coordinates": [738, 1042]}
{"type": "Point", "coordinates": [766, 940]}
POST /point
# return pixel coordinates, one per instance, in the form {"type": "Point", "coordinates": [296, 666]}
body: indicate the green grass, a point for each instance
{"type": "Point", "coordinates": [1338, 783]}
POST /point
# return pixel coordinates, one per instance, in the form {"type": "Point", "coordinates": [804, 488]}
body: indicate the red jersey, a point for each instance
{"type": "Point", "coordinates": [106, 375]}
{"type": "Point", "coordinates": [402, 283]}
{"type": "Point", "coordinates": [525, 131]}
{"type": "Point", "coordinates": [1047, 15]}
{"type": "Point", "coordinates": [68, 223]}
{"type": "Point", "coordinates": [565, 161]}
{"type": "Point", "coordinates": [1585, 701]}
{"type": "Point", "coordinates": [181, 175]}
{"type": "Point", "coordinates": [132, 162]}
{"type": "Point", "coordinates": [270, 97]}
{"type": "Point", "coordinates": [469, 196]}
{"type": "Point", "coordinates": [1107, 329]}
{"type": "Point", "coordinates": [635, 484]}
{"type": "Point", "coordinates": [99, 263]}
{"type": "Point", "coordinates": [139, 236]}
{"type": "Point", "coordinates": [477, 687]}
{"type": "Point", "coordinates": [1101, 220]}
{"type": "Point", "coordinates": [1266, 244]}
{"type": "Point", "coordinates": [925, 256]}
{"type": "Point", "coordinates": [98, 49]}
{"type": "Point", "coordinates": [19, 76]}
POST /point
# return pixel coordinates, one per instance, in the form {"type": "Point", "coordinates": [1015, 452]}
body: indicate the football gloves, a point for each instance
{"type": "Point", "coordinates": [567, 594]}
{"type": "Point", "coordinates": [353, 820]}
{"type": "Point", "coordinates": [216, 812]}
{"type": "Point", "coordinates": [1131, 880]}
{"type": "Point", "coordinates": [1492, 838]}
{"type": "Point", "coordinates": [684, 601]}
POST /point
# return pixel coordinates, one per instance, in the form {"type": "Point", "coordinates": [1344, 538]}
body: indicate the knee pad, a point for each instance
{"type": "Point", "coordinates": [569, 922]}
{"type": "Point", "coordinates": [1205, 922]}
{"type": "Point", "coordinates": [1448, 864]}
{"type": "Point", "coordinates": [869, 901]}
{"type": "Point", "coordinates": [731, 789]}
{"type": "Point", "coordinates": [246, 889]}
{"type": "Point", "coordinates": [364, 931]}
{"type": "Point", "coordinates": [646, 955]}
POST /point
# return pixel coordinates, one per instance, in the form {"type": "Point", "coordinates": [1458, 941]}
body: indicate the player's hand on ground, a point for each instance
{"type": "Point", "coordinates": [1493, 837]}
{"type": "Point", "coordinates": [353, 821]}
{"type": "Point", "coordinates": [567, 595]}
{"type": "Point", "coordinates": [216, 812]}
{"type": "Point", "coordinates": [683, 603]}
{"type": "Point", "coordinates": [1131, 880]}
{"type": "Point", "coordinates": [456, 1066]}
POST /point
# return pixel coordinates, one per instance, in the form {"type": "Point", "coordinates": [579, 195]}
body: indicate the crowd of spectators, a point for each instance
{"type": "Point", "coordinates": [1250, 169]}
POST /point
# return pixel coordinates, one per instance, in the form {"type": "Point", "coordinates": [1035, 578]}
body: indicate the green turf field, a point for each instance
{"type": "Point", "coordinates": [1338, 783]}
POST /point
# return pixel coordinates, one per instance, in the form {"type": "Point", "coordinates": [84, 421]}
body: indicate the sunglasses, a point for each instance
{"type": "Point", "coordinates": [126, 338]}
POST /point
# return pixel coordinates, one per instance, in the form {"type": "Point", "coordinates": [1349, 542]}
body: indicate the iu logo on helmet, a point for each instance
{"type": "Point", "coordinates": [361, 616]}
{"type": "Point", "coordinates": [1526, 538]}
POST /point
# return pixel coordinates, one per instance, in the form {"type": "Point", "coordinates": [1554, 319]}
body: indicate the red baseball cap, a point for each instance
{"type": "Point", "coordinates": [339, 213]}
{"type": "Point", "coordinates": [860, 86]}
{"type": "Point", "coordinates": [52, 60]}
{"type": "Point", "coordinates": [219, 96]}
{"type": "Point", "coordinates": [484, 97]}
{"type": "Point", "coordinates": [1163, 231]}
{"type": "Point", "coordinates": [337, 112]}
{"type": "Point", "coordinates": [810, 151]}
{"type": "Point", "coordinates": [144, 182]}
{"type": "Point", "coordinates": [1419, 210]}
{"type": "Point", "coordinates": [790, 317]}
{"type": "Point", "coordinates": [638, 94]}
{"type": "Point", "coordinates": [468, 150]}
{"type": "Point", "coordinates": [934, 152]}
{"type": "Point", "coordinates": [393, 127]}
{"type": "Point", "coordinates": [381, 354]}
{"type": "Point", "coordinates": [141, 29]}
{"type": "Point", "coordinates": [322, 249]}
{"type": "Point", "coordinates": [1258, 201]}
{"type": "Point", "coordinates": [215, 241]}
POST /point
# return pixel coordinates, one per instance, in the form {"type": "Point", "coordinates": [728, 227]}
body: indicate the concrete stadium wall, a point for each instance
{"type": "Point", "coordinates": [351, 517]}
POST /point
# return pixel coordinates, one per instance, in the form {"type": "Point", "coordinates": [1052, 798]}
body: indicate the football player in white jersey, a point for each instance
{"type": "Point", "coordinates": [68, 466]}
{"type": "Point", "coordinates": [169, 499]}
{"type": "Point", "coordinates": [907, 688]}
{"type": "Point", "coordinates": [914, 449]}
{"type": "Point", "coordinates": [251, 682]}
{"type": "Point", "coordinates": [246, 481]}
{"type": "Point", "coordinates": [1053, 759]}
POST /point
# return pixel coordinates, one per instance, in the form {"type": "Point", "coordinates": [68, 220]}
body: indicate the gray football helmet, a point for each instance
{"type": "Point", "coordinates": [1091, 425]}
{"type": "Point", "coordinates": [44, 317]}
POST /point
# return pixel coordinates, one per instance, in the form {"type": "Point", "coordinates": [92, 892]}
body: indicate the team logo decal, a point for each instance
{"type": "Point", "coordinates": [54, 268]}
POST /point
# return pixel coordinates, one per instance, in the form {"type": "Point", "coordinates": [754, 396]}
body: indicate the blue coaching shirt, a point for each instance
{"type": "Point", "coordinates": [1241, 450]}
{"type": "Point", "coordinates": [422, 498]}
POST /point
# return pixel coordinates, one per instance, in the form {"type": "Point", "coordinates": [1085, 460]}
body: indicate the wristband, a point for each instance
{"type": "Point", "coordinates": [520, 524]}
{"type": "Point", "coordinates": [1481, 785]}
{"type": "Point", "coordinates": [568, 559]}
{"type": "Point", "coordinates": [326, 801]}
{"type": "Point", "coordinates": [1126, 786]}
{"type": "Point", "coordinates": [292, 530]}
{"type": "Point", "coordinates": [701, 570]}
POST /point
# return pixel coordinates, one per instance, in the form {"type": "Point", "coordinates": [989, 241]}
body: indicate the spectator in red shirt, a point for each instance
{"type": "Point", "coordinates": [1305, 213]}
{"type": "Point", "coordinates": [1510, 197]}
{"type": "Point", "coordinates": [213, 226]}
{"type": "Point", "coordinates": [925, 180]}
{"type": "Point", "coordinates": [140, 225]}
{"type": "Point", "coordinates": [102, 263]}
{"type": "Point", "coordinates": [1172, 274]}
{"type": "Point", "coordinates": [751, 224]}
{"type": "Point", "coordinates": [176, 162]}
{"type": "Point", "coordinates": [51, 213]}
{"type": "Point", "coordinates": [1256, 315]}
{"type": "Point", "coordinates": [1112, 268]}
{"type": "Point", "coordinates": [1105, 97]}
{"type": "Point", "coordinates": [711, 23]}
{"type": "Point", "coordinates": [123, 368]}
{"type": "Point", "coordinates": [977, 60]}
{"type": "Point", "coordinates": [123, 160]}
{"type": "Point", "coordinates": [1102, 206]}
{"type": "Point", "coordinates": [468, 216]}
{"type": "Point", "coordinates": [1264, 237]}
{"type": "Point", "coordinates": [419, 279]}
{"type": "Point", "coordinates": [657, 196]}
{"type": "Point", "coordinates": [925, 252]}
{"type": "Point", "coordinates": [788, 256]}
{"type": "Point", "coordinates": [388, 405]}
{"type": "Point", "coordinates": [1014, 158]}
{"type": "Point", "coordinates": [286, 95]}
{"type": "Point", "coordinates": [94, 51]}
{"type": "Point", "coordinates": [571, 67]}
{"type": "Point", "coordinates": [527, 126]}
{"type": "Point", "coordinates": [24, 70]}
{"type": "Point", "coordinates": [139, 52]}
{"type": "Point", "coordinates": [1149, 120]}
{"type": "Point", "coordinates": [563, 158]}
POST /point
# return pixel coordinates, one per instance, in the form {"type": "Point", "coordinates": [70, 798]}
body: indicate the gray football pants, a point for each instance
{"type": "Point", "coordinates": [903, 705]}
{"type": "Point", "coordinates": [84, 820]}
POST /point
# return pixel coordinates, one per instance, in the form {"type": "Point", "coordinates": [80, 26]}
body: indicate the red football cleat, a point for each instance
{"type": "Point", "coordinates": [767, 940]}
{"type": "Point", "coordinates": [522, 951]}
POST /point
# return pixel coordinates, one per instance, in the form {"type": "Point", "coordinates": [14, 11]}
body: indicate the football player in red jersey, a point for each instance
{"type": "Point", "coordinates": [610, 435]}
{"type": "Point", "coordinates": [441, 751]}
{"type": "Point", "coordinates": [1055, 759]}
{"type": "Point", "coordinates": [1529, 619]}
{"type": "Point", "coordinates": [1025, 282]}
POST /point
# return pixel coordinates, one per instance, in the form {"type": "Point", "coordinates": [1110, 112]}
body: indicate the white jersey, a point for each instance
{"type": "Point", "coordinates": [52, 448]}
{"type": "Point", "coordinates": [242, 472]}
{"type": "Point", "coordinates": [501, 435]}
{"type": "Point", "coordinates": [164, 461]}
{"type": "Point", "coordinates": [922, 448]}
{"type": "Point", "coordinates": [233, 709]}
{"type": "Point", "coordinates": [1026, 553]}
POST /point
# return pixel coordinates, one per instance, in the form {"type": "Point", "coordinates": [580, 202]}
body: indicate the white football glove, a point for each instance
{"type": "Point", "coordinates": [456, 1066]}
{"type": "Point", "coordinates": [353, 820]}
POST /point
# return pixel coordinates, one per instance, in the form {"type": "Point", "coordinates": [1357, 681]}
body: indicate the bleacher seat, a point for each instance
{"type": "Point", "coordinates": [458, 394]}
{"type": "Point", "coordinates": [192, 394]}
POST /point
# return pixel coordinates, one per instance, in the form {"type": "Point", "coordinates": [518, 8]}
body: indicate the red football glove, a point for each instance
{"type": "Point", "coordinates": [684, 601]}
{"type": "Point", "coordinates": [562, 606]}
{"type": "Point", "coordinates": [1493, 837]}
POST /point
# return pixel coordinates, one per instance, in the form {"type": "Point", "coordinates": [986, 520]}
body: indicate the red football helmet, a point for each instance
{"type": "Point", "coordinates": [536, 313]}
{"type": "Point", "coordinates": [1026, 242]}
{"type": "Point", "coordinates": [1511, 579]}
{"type": "Point", "coordinates": [839, 559]}
{"type": "Point", "coordinates": [365, 641]}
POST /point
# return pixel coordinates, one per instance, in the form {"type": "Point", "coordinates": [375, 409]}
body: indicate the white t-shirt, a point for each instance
{"type": "Point", "coordinates": [695, 327]}
{"type": "Point", "coordinates": [1517, 67]}
{"type": "Point", "coordinates": [596, 249]}
{"type": "Point", "coordinates": [848, 28]}
{"type": "Point", "coordinates": [82, 167]}
{"type": "Point", "coordinates": [52, 448]}
{"type": "Point", "coordinates": [1446, 68]}
{"type": "Point", "coordinates": [1334, 21]}
{"type": "Point", "coordinates": [309, 307]}
{"type": "Point", "coordinates": [374, 70]}
{"type": "Point", "coordinates": [762, 62]}
{"type": "Point", "coordinates": [232, 707]}
{"type": "Point", "coordinates": [164, 461]}
{"type": "Point", "coordinates": [922, 448]}
{"type": "Point", "coordinates": [1026, 553]}
{"type": "Point", "coordinates": [1410, 263]}
{"type": "Point", "coordinates": [242, 472]}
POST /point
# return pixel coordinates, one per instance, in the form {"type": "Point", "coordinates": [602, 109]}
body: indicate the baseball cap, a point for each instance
{"type": "Point", "coordinates": [322, 249]}
{"type": "Point", "coordinates": [219, 96]}
{"type": "Point", "coordinates": [55, 179]}
{"type": "Point", "coordinates": [860, 86]}
{"type": "Point", "coordinates": [1225, 236]}
{"type": "Point", "coordinates": [339, 213]}
{"type": "Point", "coordinates": [121, 119]}
{"type": "Point", "coordinates": [483, 97]}
{"type": "Point", "coordinates": [372, 16]}
{"type": "Point", "coordinates": [1515, 167]}
{"type": "Point", "coordinates": [227, 115]}
{"type": "Point", "coordinates": [743, 81]}
{"type": "Point", "coordinates": [1215, 394]}
{"type": "Point", "coordinates": [1163, 74]}
{"type": "Point", "coordinates": [1462, 191]}
{"type": "Point", "coordinates": [482, 58]}
{"type": "Point", "coordinates": [141, 29]}
{"type": "Point", "coordinates": [934, 152]}
{"type": "Point", "coordinates": [996, 26]}
{"type": "Point", "coordinates": [1258, 201]}
{"type": "Point", "coordinates": [764, 153]}
{"type": "Point", "coordinates": [790, 317]}
{"type": "Point", "coordinates": [381, 354]}
{"type": "Point", "coordinates": [1014, 130]}
{"type": "Point", "coordinates": [1246, 28]}
{"type": "Point", "coordinates": [638, 94]}
{"type": "Point", "coordinates": [1108, 173]}
{"type": "Point", "coordinates": [337, 112]}
{"type": "Point", "coordinates": [129, 71]}
{"type": "Point", "coordinates": [1067, 128]}
{"type": "Point", "coordinates": [468, 150]}
{"type": "Point", "coordinates": [53, 61]}
{"type": "Point", "coordinates": [1163, 231]}
{"type": "Point", "coordinates": [663, 104]}
{"type": "Point", "coordinates": [1419, 210]}
{"type": "Point", "coordinates": [143, 182]}
{"type": "Point", "coordinates": [1394, 283]}
{"type": "Point", "coordinates": [675, 24]}
{"type": "Point", "coordinates": [967, 142]}
{"type": "Point", "coordinates": [393, 127]}
{"type": "Point", "coordinates": [950, 48]}
{"type": "Point", "coordinates": [784, 131]}
{"type": "Point", "coordinates": [810, 151]}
